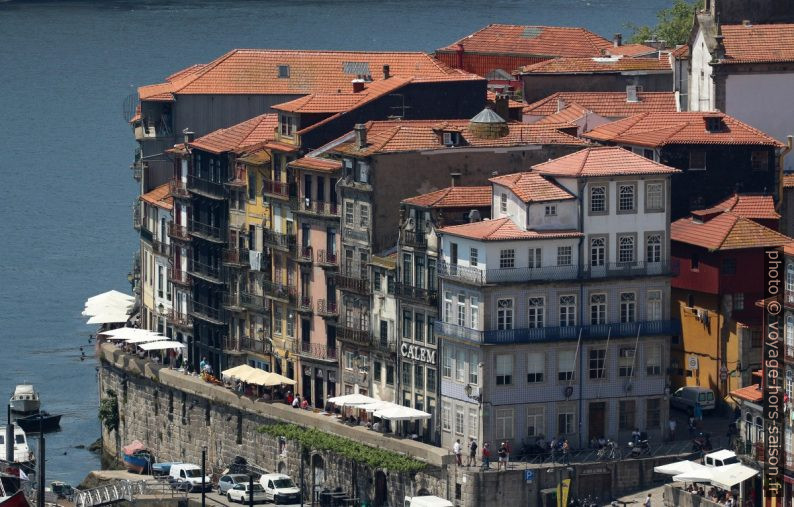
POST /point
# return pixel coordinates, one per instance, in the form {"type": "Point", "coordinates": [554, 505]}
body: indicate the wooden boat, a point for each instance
{"type": "Point", "coordinates": [136, 458]}
{"type": "Point", "coordinates": [31, 424]}
{"type": "Point", "coordinates": [16, 500]}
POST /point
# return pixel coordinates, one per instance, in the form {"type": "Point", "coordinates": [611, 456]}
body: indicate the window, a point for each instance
{"type": "Point", "coordinates": [565, 366]}
{"type": "Point", "coordinates": [376, 375]}
{"type": "Point", "coordinates": [507, 259]}
{"type": "Point", "coordinates": [626, 361]}
{"type": "Point", "coordinates": [564, 256]}
{"type": "Point", "coordinates": [738, 301]}
{"type": "Point", "coordinates": [628, 307]}
{"type": "Point", "coordinates": [551, 210]}
{"type": "Point", "coordinates": [447, 366]}
{"type": "Point", "coordinates": [694, 262]}
{"type": "Point", "coordinates": [283, 71]}
{"type": "Point", "coordinates": [728, 266]}
{"type": "Point", "coordinates": [536, 365]}
{"type": "Point", "coordinates": [419, 327]}
{"type": "Point", "coordinates": [504, 314]}
{"type": "Point", "coordinates": [567, 311]}
{"type": "Point", "coordinates": [406, 375]}
{"type": "Point", "coordinates": [445, 416]}
{"type": "Point", "coordinates": [598, 199]}
{"type": "Point", "coordinates": [459, 420]}
{"type": "Point", "coordinates": [598, 309]}
{"type": "Point", "coordinates": [536, 418]}
{"type": "Point", "coordinates": [565, 422]}
{"type": "Point", "coordinates": [473, 420]}
{"type": "Point", "coordinates": [653, 248]}
{"type": "Point", "coordinates": [348, 360]}
{"type": "Point", "coordinates": [598, 363]}
{"type": "Point", "coordinates": [697, 160]}
{"type": "Point", "coordinates": [287, 125]}
{"type": "Point", "coordinates": [625, 248]}
{"type": "Point", "coordinates": [759, 160]}
{"type": "Point", "coordinates": [503, 203]}
{"type": "Point", "coordinates": [431, 379]}
{"type": "Point", "coordinates": [647, 153]}
{"type": "Point", "coordinates": [598, 251]}
{"type": "Point", "coordinates": [654, 305]}
{"type": "Point", "coordinates": [654, 196]}
{"type": "Point", "coordinates": [461, 310]}
{"type": "Point", "coordinates": [474, 367]}
{"type": "Point", "coordinates": [653, 359]}
{"type": "Point", "coordinates": [504, 369]}
{"type": "Point", "coordinates": [504, 423]}
{"type": "Point", "coordinates": [251, 185]}
{"type": "Point", "coordinates": [626, 415]}
{"type": "Point", "coordinates": [626, 197]}
{"type": "Point", "coordinates": [536, 312]}
{"type": "Point", "coordinates": [363, 210]}
{"type": "Point", "coordinates": [407, 323]}
{"type": "Point", "coordinates": [460, 366]}
{"type": "Point", "coordinates": [389, 375]}
{"type": "Point", "coordinates": [348, 213]}
{"type": "Point", "coordinates": [473, 257]}
{"type": "Point", "coordinates": [474, 313]}
{"type": "Point", "coordinates": [534, 258]}
{"type": "Point", "coordinates": [419, 377]}
{"type": "Point", "coordinates": [419, 271]}
{"type": "Point", "coordinates": [431, 337]}
{"type": "Point", "coordinates": [448, 307]}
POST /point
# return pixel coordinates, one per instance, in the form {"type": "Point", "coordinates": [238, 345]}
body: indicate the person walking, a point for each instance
{"type": "Point", "coordinates": [566, 452]}
{"type": "Point", "coordinates": [502, 457]}
{"type": "Point", "coordinates": [456, 452]}
{"type": "Point", "coordinates": [647, 502]}
{"type": "Point", "coordinates": [672, 425]}
{"type": "Point", "coordinates": [486, 456]}
{"type": "Point", "coordinates": [472, 461]}
{"type": "Point", "coordinates": [698, 412]}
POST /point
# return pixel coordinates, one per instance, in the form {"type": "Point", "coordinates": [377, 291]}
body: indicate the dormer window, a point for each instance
{"type": "Point", "coordinates": [288, 125]}
{"type": "Point", "coordinates": [450, 138]}
{"type": "Point", "coordinates": [551, 210]}
{"type": "Point", "coordinates": [283, 71]}
{"type": "Point", "coordinates": [714, 124]}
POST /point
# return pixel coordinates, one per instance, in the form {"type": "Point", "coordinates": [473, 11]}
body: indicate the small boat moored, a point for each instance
{"type": "Point", "coordinates": [22, 454]}
{"type": "Point", "coordinates": [25, 399]}
{"type": "Point", "coordinates": [136, 458]}
{"type": "Point", "coordinates": [42, 421]}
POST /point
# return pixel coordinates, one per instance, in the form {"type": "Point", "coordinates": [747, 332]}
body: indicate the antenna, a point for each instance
{"type": "Point", "coordinates": [129, 106]}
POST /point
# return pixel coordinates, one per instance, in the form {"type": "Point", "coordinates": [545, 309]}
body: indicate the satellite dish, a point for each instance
{"type": "Point", "coordinates": [409, 224]}
{"type": "Point", "coordinates": [129, 106]}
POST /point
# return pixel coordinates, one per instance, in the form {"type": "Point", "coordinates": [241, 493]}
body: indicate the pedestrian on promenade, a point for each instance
{"type": "Point", "coordinates": [691, 425]}
{"type": "Point", "coordinates": [672, 425]}
{"type": "Point", "coordinates": [486, 456]}
{"type": "Point", "coordinates": [456, 452]}
{"type": "Point", "coordinates": [698, 412]}
{"type": "Point", "coordinates": [502, 457]}
{"type": "Point", "coordinates": [647, 502]}
{"type": "Point", "coordinates": [472, 461]}
{"type": "Point", "coordinates": [566, 452]}
{"type": "Point", "coordinates": [296, 402]}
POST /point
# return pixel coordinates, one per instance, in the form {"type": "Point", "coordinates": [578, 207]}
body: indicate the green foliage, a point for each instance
{"type": "Point", "coordinates": [674, 26]}
{"type": "Point", "coordinates": [109, 411]}
{"type": "Point", "coordinates": [313, 439]}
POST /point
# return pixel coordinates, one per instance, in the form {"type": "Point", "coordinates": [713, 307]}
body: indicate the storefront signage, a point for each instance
{"type": "Point", "coordinates": [418, 353]}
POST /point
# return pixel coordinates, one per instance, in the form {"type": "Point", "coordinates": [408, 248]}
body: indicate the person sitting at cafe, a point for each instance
{"type": "Point", "coordinates": [305, 404]}
{"type": "Point", "coordinates": [296, 402]}
{"type": "Point", "coordinates": [289, 398]}
{"type": "Point", "coordinates": [376, 426]}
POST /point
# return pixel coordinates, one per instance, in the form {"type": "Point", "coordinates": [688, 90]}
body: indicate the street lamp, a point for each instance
{"type": "Point", "coordinates": [203, 476]}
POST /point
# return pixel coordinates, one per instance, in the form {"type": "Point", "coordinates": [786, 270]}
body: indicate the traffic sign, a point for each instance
{"type": "Point", "coordinates": [529, 475]}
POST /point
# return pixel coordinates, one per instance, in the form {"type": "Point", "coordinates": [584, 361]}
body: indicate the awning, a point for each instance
{"type": "Point", "coordinates": [162, 345]}
{"type": "Point", "coordinates": [109, 317]}
{"type": "Point", "coordinates": [281, 379]}
{"type": "Point", "coordinates": [400, 413]}
{"type": "Point", "coordinates": [702, 475]}
{"type": "Point", "coordinates": [148, 338]}
{"type": "Point", "coordinates": [378, 405]}
{"type": "Point", "coordinates": [127, 333]}
{"type": "Point", "coordinates": [728, 476]}
{"type": "Point", "coordinates": [679, 467]}
{"type": "Point", "coordinates": [237, 371]}
{"type": "Point", "coordinates": [351, 399]}
{"type": "Point", "coordinates": [108, 305]}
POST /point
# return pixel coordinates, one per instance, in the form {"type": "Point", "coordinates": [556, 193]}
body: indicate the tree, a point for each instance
{"type": "Point", "coordinates": [674, 26]}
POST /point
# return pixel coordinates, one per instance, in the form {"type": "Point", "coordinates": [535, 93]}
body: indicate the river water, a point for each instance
{"type": "Point", "coordinates": [65, 184]}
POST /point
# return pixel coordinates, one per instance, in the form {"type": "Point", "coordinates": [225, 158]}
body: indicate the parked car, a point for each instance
{"type": "Point", "coordinates": [686, 397]}
{"type": "Point", "coordinates": [426, 501]}
{"type": "Point", "coordinates": [227, 482]}
{"type": "Point", "coordinates": [280, 489]}
{"type": "Point", "coordinates": [187, 477]}
{"type": "Point", "coordinates": [242, 494]}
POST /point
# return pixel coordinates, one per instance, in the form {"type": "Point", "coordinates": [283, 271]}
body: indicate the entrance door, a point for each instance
{"type": "Point", "coordinates": [318, 392]}
{"type": "Point", "coordinates": [597, 419]}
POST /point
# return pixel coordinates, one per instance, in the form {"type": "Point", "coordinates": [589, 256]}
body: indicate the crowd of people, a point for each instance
{"type": "Point", "coordinates": [503, 454]}
{"type": "Point", "coordinates": [714, 494]}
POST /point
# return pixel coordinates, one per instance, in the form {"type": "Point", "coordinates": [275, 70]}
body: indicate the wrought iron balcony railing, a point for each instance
{"type": "Point", "coordinates": [354, 335]}
{"type": "Point", "coordinates": [318, 351]}
{"type": "Point", "coordinates": [179, 276]}
{"type": "Point", "coordinates": [177, 231]}
{"type": "Point", "coordinates": [208, 272]}
{"type": "Point", "coordinates": [415, 239]}
{"type": "Point", "coordinates": [178, 189]}
{"type": "Point", "coordinates": [416, 294]}
{"type": "Point", "coordinates": [275, 188]}
{"type": "Point", "coordinates": [206, 188]}
{"type": "Point", "coordinates": [316, 208]}
{"type": "Point", "coordinates": [207, 313]}
{"type": "Point", "coordinates": [238, 257]}
{"type": "Point", "coordinates": [278, 239]}
{"type": "Point", "coordinates": [327, 308]}
{"type": "Point", "coordinates": [327, 259]}
{"type": "Point", "coordinates": [180, 319]}
{"type": "Point", "coordinates": [209, 232]}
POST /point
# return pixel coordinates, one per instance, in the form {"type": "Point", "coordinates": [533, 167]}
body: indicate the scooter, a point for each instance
{"type": "Point", "coordinates": [702, 442]}
{"type": "Point", "coordinates": [639, 448]}
{"type": "Point", "coordinates": [610, 450]}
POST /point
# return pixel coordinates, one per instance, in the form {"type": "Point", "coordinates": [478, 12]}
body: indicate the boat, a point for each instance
{"type": "Point", "coordinates": [136, 458]}
{"type": "Point", "coordinates": [22, 454]}
{"type": "Point", "coordinates": [31, 423]}
{"type": "Point", "coordinates": [25, 399]}
{"type": "Point", "coordinates": [11, 494]}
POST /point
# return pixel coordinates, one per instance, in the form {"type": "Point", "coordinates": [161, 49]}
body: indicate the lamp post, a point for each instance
{"type": "Point", "coordinates": [203, 476]}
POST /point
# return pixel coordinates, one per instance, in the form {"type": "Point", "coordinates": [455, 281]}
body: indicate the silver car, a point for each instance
{"type": "Point", "coordinates": [227, 482]}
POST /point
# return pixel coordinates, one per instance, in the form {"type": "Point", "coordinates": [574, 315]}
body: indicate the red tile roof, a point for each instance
{"type": "Point", "coordinates": [751, 393]}
{"type": "Point", "coordinates": [602, 161]}
{"type": "Point", "coordinates": [418, 135]}
{"type": "Point", "coordinates": [661, 129]}
{"type": "Point", "coordinates": [758, 43]}
{"type": "Point", "coordinates": [453, 197]}
{"type": "Point", "coordinates": [565, 117]}
{"type": "Point", "coordinates": [789, 249]}
{"type": "Point", "coordinates": [339, 102]}
{"type": "Point", "coordinates": [532, 41]}
{"type": "Point", "coordinates": [631, 50]}
{"type": "Point", "coordinates": [237, 138]}
{"type": "Point", "coordinates": [608, 104]}
{"type": "Point", "coordinates": [681, 52]}
{"type": "Point", "coordinates": [160, 197]}
{"type": "Point", "coordinates": [598, 65]}
{"type": "Point", "coordinates": [726, 231]}
{"type": "Point", "coordinates": [503, 229]}
{"type": "Point", "coordinates": [532, 187]}
{"type": "Point", "coordinates": [317, 164]}
{"type": "Point", "coordinates": [256, 71]}
{"type": "Point", "coordinates": [747, 206]}
{"type": "Point", "coordinates": [511, 104]}
{"type": "Point", "coordinates": [788, 181]}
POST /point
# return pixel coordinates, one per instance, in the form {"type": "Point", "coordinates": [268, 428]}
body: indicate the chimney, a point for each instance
{"type": "Point", "coordinates": [719, 51]}
{"type": "Point", "coordinates": [474, 216]}
{"type": "Point", "coordinates": [502, 106]}
{"type": "Point", "coordinates": [459, 56]}
{"type": "Point", "coordinates": [189, 136]}
{"type": "Point", "coordinates": [455, 179]}
{"type": "Point", "coordinates": [361, 135]}
{"type": "Point", "coordinates": [358, 85]}
{"type": "Point", "coordinates": [746, 22]}
{"type": "Point", "coordinates": [386, 73]}
{"type": "Point", "coordinates": [631, 93]}
{"type": "Point", "coordinates": [560, 104]}
{"type": "Point", "coordinates": [617, 40]}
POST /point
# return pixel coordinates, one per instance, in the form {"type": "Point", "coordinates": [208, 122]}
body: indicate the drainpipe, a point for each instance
{"type": "Point", "coordinates": [780, 169]}
{"type": "Point", "coordinates": [581, 307]}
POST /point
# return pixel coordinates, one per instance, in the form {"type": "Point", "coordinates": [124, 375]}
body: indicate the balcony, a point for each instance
{"type": "Point", "coordinates": [415, 239]}
{"type": "Point", "coordinates": [236, 257]}
{"type": "Point", "coordinates": [305, 304]}
{"type": "Point", "coordinates": [317, 351]}
{"type": "Point", "coordinates": [179, 189]}
{"type": "Point", "coordinates": [354, 335]}
{"type": "Point", "coordinates": [354, 279]}
{"type": "Point", "coordinates": [232, 302]}
{"type": "Point", "coordinates": [548, 334]}
{"type": "Point", "coordinates": [276, 189]}
{"type": "Point", "coordinates": [255, 302]}
{"type": "Point", "coordinates": [180, 319]}
{"type": "Point", "coordinates": [279, 291]}
{"type": "Point", "coordinates": [204, 271]}
{"type": "Point", "coordinates": [248, 344]}
{"type": "Point", "coordinates": [177, 231]}
{"type": "Point", "coordinates": [327, 309]}
{"type": "Point", "coordinates": [149, 129]}
{"type": "Point", "coordinates": [316, 208]}
{"type": "Point", "coordinates": [208, 232]}
{"type": "Point", "coordinates": [356, 234]}
{"type": "Point", "coordinates": [387, 346]}
{"type": "Point", "coordinates": [207, 313]}
{"type": "Point", "coordinates": [178, 277]}
{"type": "Point", "coordinates": [415, 294]}
{"type": "Point", "coordinates": [304, 254]}
{"type": "Point", "coordinates": [788, 299]}
{"type": "Point", "coordinates": [278, 240]}
{"type": "Point", "coordinates": [327, 259]}
{"type": "Point", "coordinates": [161, 248]}
{"type": "Point", "coordinates": [136, 215]}
{"type": "Point", "coordinates": [206, 188]}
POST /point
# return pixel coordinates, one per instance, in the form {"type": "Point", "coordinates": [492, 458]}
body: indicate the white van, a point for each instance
{"type": "Point", "coordinates": [686, 397]}
{"type": "Point", "coordinates": [426, 501]}
{"type": "Point", "coordinates": [280, 489]}
{"type": "Point", "coordinates": [187, 476]}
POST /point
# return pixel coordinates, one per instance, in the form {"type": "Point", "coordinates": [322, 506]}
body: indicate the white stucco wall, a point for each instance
{"type": "Point", "coordinates": [701, 87]}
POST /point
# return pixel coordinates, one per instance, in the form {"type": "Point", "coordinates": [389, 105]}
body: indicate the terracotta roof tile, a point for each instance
{"type": "Point", "coordinates": [726, 231]}
{"type": "Point", "coordinates": [608, 104]}
{"type": "Point", "coordinates": [532, 187]}
{"type": "Point", "coordinates": [565, 117]}
{"type": "Point", "coordinates": [751, 393]}
{"type": "Point", "coordinates": [747, 206]}
{"type": "Point", "coordinates": [597, 65]}
{"type": "Point", "coordinates": [758, 43]}
{"type": "Point", "coordinates": [454, 197]}
{"type": "Point", "coordinates": [788, 181]}
{"type": "Point", "coordinates": [317, 164]}
{"type": "Point", "coordinates": [631, 50]}
{"type": "Point", "coordinates": [237, 138]}
{"type": "Point", "coordinates": [256, 71]}
{"type": "Point", "coordinates": [661, 129]}
{"type": "Point", "coordinates": [420, 135]}
{"type": "Point", "coordinates": [339, 102]}
{"type": "Point", "coordinates": [511, 104]}
{"type": "Point", "coordinates": [503, 229]}
{"type": "Point", "coordinates": [789, 249]}
{"type": "Point", "coordinates": [681, 52]}
{"type": "Point", "coordinates": [532, 41]}
{"type": "Point", "coordinates": [602, 161]}
{"type": "Point", "coordinates": [160, 197]}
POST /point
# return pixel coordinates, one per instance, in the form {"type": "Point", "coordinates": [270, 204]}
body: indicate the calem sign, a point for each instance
{"type": "Point", "coordinates": [418, 353]}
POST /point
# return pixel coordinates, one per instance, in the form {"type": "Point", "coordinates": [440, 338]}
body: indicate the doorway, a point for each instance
{"type": "Point", "coordinates": [381, 490]}
{"type": "Point", "coordinates": [596, 422]}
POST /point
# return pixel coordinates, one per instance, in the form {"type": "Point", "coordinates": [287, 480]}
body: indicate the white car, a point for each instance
{"type": "Point", "coordinates": [187, 477]}
{"type": "Point", "coordinates": [241, 494]}
{"type": "Point", "coordinates": [280, 489]}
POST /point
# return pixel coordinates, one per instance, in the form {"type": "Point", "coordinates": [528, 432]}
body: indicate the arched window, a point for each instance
{"type": "Point", "coordinates": [790, 277]}
{"type": "Point", "coordinates": [759, 429]}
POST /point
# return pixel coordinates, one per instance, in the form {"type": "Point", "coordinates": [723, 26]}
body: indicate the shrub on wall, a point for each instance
{"type": "Point", "coordinates": [109, 411]}
{"type": "Point", "coordinates": [313, 439]}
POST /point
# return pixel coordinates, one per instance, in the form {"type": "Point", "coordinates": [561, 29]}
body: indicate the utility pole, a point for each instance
{"type": "Point", "coordinates": [39, 465]}
{"type": "Point", "coordinates": [203, 476]}
{"type": "Point", "coordinates": [9, 437]}
{"type": "Point", "coordinates": [302, 483]}
{"type": "Point", "coordinates": [250, 490]}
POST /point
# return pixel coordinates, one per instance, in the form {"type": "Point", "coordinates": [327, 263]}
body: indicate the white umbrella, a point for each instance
{"type": "Point", "coordinates": [162, 345]}
{"type": "Point", "coordinates": [728, 476]}
{"type": "Point", "coordinates": [126, 333]}
{"type": "Point", "coordinates": [351, 399]}
{"type": "Point", "coordinates": [400, 413]}
{"type": "Point", "coordinates": [679, 467]}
